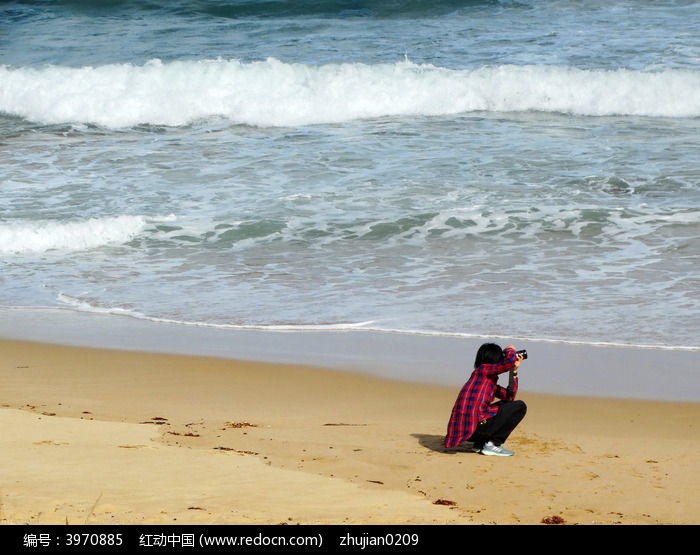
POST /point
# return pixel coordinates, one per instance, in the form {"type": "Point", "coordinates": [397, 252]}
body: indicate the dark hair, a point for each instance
{"type": "Point", "coordinates": [488, 353]}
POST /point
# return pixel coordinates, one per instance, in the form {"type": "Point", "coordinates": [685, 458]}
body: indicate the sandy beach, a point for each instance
{"type": "Point", "coordinates": [100, 436]}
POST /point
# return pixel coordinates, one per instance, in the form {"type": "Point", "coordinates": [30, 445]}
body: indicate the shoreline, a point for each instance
{"type": "Point", "coordinates": [99, 436]}
{"type": "Point", "coordinates": [558, 368]}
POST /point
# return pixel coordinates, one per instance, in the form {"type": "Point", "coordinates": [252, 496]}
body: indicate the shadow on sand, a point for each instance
{"type": "Point", "coordinates": [435, 443]}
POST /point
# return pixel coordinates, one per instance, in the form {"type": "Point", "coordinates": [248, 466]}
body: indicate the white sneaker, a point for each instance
{"type": "Point", "coordinates": [495, 450]}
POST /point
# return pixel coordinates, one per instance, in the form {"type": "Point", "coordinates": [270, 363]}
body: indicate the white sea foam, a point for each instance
{"type": "Point", "coordinates": [37, 237]}
{"type": "Point", "coordinates": [274, 93]}
{"type": "Point", "coordinates": [472, 190]}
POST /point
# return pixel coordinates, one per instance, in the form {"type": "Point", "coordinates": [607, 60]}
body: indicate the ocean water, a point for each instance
{"type": "Point", "coordinates": [519, 169]}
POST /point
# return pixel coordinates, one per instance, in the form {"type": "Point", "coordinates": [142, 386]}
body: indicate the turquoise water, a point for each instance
{"type": "Point", "coordinates": [507, 169]}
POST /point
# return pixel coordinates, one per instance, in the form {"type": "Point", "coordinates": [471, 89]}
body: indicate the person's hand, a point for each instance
{"type": "Point", "coordinates": [518, 359]}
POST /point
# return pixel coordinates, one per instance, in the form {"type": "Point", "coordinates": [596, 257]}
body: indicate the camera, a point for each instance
{"type": "Point", "coordinates": [523, 352]}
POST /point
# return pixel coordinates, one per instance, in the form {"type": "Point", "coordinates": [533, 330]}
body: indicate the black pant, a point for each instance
{"type": "Point", "coordinates": [498, 428]}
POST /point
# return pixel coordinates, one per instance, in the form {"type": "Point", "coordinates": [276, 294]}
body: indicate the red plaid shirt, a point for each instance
{"type": "Point", "coordinates": [474, 402]}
